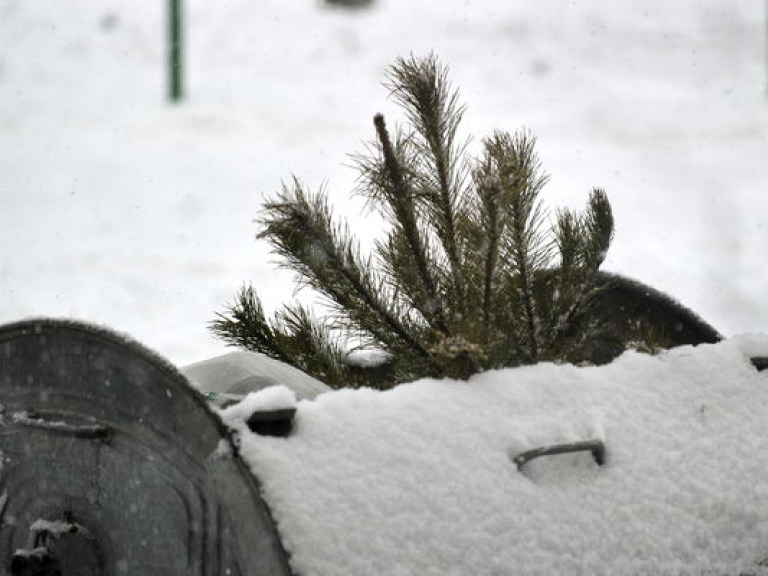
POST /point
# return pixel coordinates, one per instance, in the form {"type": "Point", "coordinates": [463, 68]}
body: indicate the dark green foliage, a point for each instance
{"type": "Point", "coordinates": [470, 275]}
{"type": "Point", "coordinates": [293, 336]}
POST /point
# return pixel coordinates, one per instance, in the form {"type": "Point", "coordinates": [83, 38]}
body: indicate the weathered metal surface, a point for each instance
{"type": "Point", "coordinates": [272, 422]}
{"type": "Point", "coordinates": [624, 308]}
{"type": "Point", "coordinates": [99, 433]}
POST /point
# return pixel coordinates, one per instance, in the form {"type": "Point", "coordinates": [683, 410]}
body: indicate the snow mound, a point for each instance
{"type": "Point", "coordinates": [272, 398]}
{"type": "Point", "coordinates": [420, 479]}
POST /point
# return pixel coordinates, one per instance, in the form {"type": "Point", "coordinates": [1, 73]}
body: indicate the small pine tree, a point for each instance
{"type": "Point", "coordinates": [468, 277]}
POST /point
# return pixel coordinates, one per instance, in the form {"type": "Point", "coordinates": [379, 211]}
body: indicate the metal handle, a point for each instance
{"type": "Point", "coordinates": [595, 446]}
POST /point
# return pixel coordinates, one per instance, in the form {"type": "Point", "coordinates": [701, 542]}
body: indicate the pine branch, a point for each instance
{"type": "Point", "coordinates": [466, 277]}
{"type": "Point", "coordinates": [569, 279]}
{"type": "Point", "coordinates": [494, 228]}
{"type": "Point", "coordinates": [401, 200]}
{"type": "Point", "coordinates": [243, 324]}
{"type": "Point", "coordinates": [375, 183]}
{"type": "Point", "coordinates": [583, 241]}
{"type": "Point", "coordinates": [403, 277]}
{"type": "Point", "coordinates": [489, 230]}
{"type": "Point", "coordinates": [567, 240]}
{"type": "Point", "coordinates": [301, 231]}
{"type": "Point", "coordinates": [293, 336]}
{"type": "Point", "coordinates": [517, 170]}
{"type": "Point", "coordinates": [421, 86]}
{"type": "Point", "coordinates": [598, 226]}
{"type": "Point", "coordinates": [312, 346]}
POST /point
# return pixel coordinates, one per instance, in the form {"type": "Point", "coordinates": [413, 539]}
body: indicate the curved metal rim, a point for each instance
{"type": "Point", "coordinates": [30, 325]}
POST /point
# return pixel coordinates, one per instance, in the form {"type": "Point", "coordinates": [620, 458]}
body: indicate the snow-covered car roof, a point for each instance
{"type": "Point", "coordinates": [421, 479]}
{"type": "Point", "coordinates": [231, 376]}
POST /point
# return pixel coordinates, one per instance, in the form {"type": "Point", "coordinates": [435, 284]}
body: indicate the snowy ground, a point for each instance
{"type": "Point", "coordinates": [118, 208]}
{"type": "Point", "coordinates": [420, 480]}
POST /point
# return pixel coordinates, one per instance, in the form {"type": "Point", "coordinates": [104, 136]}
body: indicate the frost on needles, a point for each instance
{"type": "Point", "coordinates": [472, 273]}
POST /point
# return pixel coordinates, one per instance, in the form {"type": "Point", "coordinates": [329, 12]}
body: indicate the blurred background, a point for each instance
{"type": "Point", "coordinates": [120, 208]}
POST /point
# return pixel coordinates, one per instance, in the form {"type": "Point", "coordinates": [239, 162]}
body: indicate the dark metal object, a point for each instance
{"type": "Point", "coordinates": [34, 562]}
{"type": "Point", "coordinates": [759, 362]}
{"type": "Point", "coordinates": [272, 422]}
{"type": "Point", "coordinates": [98, 427]}
{"type": "Point", "coordinates": [596, 447]}
{"type": "Point", "coordinates": [40, 558]}
{"type": "Point", "coordinates": [621, 305]}
{"type": "Point", "coordinates": [175, 51]}
{"type": "Point", "coordinates": [349, 4]}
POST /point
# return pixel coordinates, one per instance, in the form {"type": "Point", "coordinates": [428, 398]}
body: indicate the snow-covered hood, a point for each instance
{"type": "Point", "coordinates": [421, 479]}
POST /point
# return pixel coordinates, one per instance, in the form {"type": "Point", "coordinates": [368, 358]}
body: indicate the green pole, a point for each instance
{"type": "Point", "coordinates": [175, 52]}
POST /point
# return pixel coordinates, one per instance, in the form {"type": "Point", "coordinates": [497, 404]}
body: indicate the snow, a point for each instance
{"type": "Point", "coordinates": [57, 527]}
{"type": "Point", "coordinates": [231, 376]}
{"type": "Point", "coordinates": [83, 430]}
{"type": "Point", "coordinates": [420, 479]}
{"type": "Point", "coordinates": [370, 358]}
{"type": "Point", "coordinates": [121, 209]}
{"type": "Point", "coordinates": [38, 553]}
{"type": "Point", "coordinates": [268, 399]}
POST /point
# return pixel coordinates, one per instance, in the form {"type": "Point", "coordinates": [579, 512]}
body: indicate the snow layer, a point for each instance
{"type": "Point", "coordinates": [419, 480]}
{"type": "Point", "coordinates": [238, 373]}
{"type": "Point", "coordinates": [272, 398]}
{"type": "Point", "coordinates": [368, 358]}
